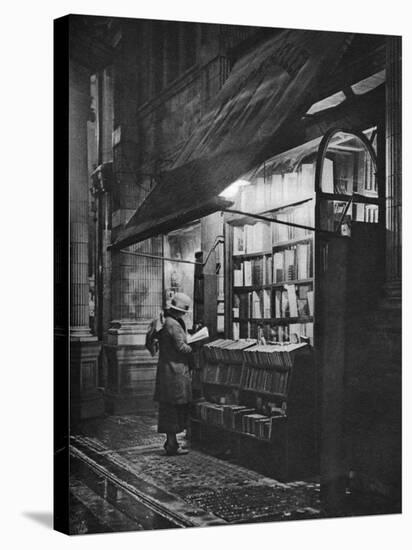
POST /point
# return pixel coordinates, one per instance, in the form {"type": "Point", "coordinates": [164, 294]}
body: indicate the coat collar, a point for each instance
{"type": "Point", "coordinates": [169, 313]}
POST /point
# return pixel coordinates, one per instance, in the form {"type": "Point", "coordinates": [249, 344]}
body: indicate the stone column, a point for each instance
{"type": "Point", "coordinates": [375, 374]}
{"type": "Point", "coordinates": [393, 169]}
{"type": "Point", "coordinates": [131, 369]}
{"type": "Point", "coordinates": [86, 400]}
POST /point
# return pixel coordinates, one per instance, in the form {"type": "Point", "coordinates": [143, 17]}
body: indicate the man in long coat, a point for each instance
{"type": "Point", "coordinates": [173, 382]}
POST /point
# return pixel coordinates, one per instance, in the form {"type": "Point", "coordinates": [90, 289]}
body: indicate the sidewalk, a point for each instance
{"type": "Point", "coordinates": [196, 489]}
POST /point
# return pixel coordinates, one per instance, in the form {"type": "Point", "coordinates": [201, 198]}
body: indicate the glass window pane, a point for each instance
{"type": "Point", "coordinates": [333, 215]}
{"type": "Point", "coordinates": [348, 167]}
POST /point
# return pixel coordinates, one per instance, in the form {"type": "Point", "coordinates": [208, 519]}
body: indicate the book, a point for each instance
{"type": "Point", "coordinates": [238, 240]}
{"type": "Point", "coordinates": [307, 181]}
{"type": "Point", "coordinates": [257, 271]}
{"type": "Point", "coordinates": [199, 336]}
{"type": "Point", "coordinates": [327, 176]}
{"type": "Point", "coordinates": [310, 302]}
{"type": "Point", "coordinates": [266, 304]}
{"type": "Point", "coordinates": [293, 307]}
{"type": "Point", "coordinates": [290, 264]}
{"type": "Point", "coordinates": [268, 260]}
{"type": "Point", "coordinates": [295, 332]}
{"type": "Point", "coordinates": [220, 323]}
{"type": "Point", "coordinates": [278, 304]}
{"type": "Point", "coordinates": [302, 261]}
{"type": "Point", "coordinates": [256, 305]}
{"type": "Point", "coordinates": [278, 267]}
{"type": "Point", "coordinates": [284, 305]}
{"type": "Point", "coordinates": [247, 272]}
{"type": "Point", "coordinates": [236, 305]}
{"type": "Point", "coordinates": [303, 310]}
{"type": "Point", "coordinates": [238, 274]}
{"type": "Point", "coordinates": [259, 199]}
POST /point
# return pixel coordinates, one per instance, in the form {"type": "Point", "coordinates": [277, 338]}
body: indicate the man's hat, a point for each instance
{"type": "Point", "coordinates": [180, 302]}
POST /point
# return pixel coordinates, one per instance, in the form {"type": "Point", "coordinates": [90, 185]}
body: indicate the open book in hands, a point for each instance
{"type": "Point", "coordinates": [199, 336]}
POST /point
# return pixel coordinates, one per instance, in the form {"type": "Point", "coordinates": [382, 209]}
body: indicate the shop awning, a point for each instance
{"type": "Point", "coordinates": [265, 88]}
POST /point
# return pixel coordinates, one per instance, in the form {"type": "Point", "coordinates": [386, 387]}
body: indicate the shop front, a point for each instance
{"type": "Point", "coordinates": [293, 256]}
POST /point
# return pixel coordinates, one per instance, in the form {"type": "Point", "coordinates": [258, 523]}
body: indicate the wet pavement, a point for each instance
{"type": "Point", "coordinates": [122, 480]}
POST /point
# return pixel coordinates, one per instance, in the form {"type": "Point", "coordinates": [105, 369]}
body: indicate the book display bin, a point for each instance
{"type": "Point", "coordinates": [258, 406]}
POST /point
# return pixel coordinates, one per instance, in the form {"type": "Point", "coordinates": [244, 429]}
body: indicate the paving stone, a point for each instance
{"type": "Point", "coordinates": [232, 492]}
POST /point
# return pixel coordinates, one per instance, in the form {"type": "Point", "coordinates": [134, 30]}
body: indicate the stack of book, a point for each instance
{"type": "Point", "coordinates": [276, 334]}
{"type": "Point", "coordinates": [301, 215]}
{"type": "Point", "coordinates": [210, 413]}
{"type": "Point", "coordinates": [238, 418]}
{"type": "Point", "coordinates": [256, 424]}
{"type": "Point", "coordinates": [266, 380]}
{"type": "Point", "coordinates": [214, 373]}
{"type": "Point", "coordinates": [213, 350]}
{"type": "Point", "coordinates": [272, 355]}
{"type": "Point", "coordinates": [230, 351]}
{"type": "Point", "coordinates": [252, 305]}
{"type": "Point", "coordinates": [251, 238]}
{"type": "Point", "coordinates": [222, 374]}
{"type": "Point", "coordinates": [293, 263]}
{"type": "Point", "coordinates": [292, 301]}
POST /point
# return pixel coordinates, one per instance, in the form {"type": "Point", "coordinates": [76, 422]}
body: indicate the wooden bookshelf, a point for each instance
{"type": "Point", "coordinates": [264, 259]}
{"type": "Point", "coordinates": [287, 283]}
{"type": "Point", "coordinates": [244, 415]}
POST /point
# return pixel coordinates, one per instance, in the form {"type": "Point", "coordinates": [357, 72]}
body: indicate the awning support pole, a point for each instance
{"type": "Point", "coordinates": [291, 224]}
{"type": "Point", "coordinates": [219, 239]}
{"type": "Point", "coordinates": [163, 258]}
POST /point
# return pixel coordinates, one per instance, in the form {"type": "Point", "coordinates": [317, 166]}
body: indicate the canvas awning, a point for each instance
{"type": "Point", "coordinates": [265, 88]}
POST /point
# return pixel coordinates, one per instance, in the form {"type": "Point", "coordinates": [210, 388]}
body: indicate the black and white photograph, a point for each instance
{"type": "Point", "coordinates": [204, 325]}
{"type": "Point", "coordinates": [233, 283]}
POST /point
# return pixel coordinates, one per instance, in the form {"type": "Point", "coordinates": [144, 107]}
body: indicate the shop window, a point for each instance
{"type": "Point", "coordinates": [347, 180]}
{"type": "Point", "coordinates": [328, 183]}
{"type": "Point", "coordinates": [182, 244]}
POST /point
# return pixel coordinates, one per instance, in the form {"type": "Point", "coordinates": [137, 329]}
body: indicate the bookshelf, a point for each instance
{"type": "Point", "coordinates": [328, 183]}
{"type": "Point", "coordinates": [287, 285]}
{"type": "Point", "coordinates": [272, 276]}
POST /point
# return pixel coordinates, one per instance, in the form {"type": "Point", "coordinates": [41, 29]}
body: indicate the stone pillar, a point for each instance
{"type": "Point", "coordinates": [393, 169]}
{"type": "Point", "coordinates": [375, 374]}
{"type": "Point", "coordinates": [136, 299]}
{"type": "Point", "coordinates": [86, 400]}
{"type": "Point", "coordinates": [131, 369]}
